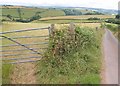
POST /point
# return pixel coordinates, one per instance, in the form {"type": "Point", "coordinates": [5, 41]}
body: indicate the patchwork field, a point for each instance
{"type": "Point", "coordinates": [75, 19]}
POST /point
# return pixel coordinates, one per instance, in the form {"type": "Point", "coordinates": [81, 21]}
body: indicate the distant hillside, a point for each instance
{"type": "Point", "coordinates": [28, 14]}
{"type": "Point", "coordinates": [104, 11]}
{"type": "Point", "coordinates": [87, 9]}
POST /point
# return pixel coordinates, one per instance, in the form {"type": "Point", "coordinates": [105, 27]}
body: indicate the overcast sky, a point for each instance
{"type": "Point", "coordinates": [107, 4]}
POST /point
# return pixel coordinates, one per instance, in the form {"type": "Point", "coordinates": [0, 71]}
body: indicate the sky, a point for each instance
{"type": "Point", "coordinates": [106, 4]}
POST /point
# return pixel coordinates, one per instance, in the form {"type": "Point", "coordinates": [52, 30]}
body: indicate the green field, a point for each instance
{"type": "Point", "coordinates": [29, 12]}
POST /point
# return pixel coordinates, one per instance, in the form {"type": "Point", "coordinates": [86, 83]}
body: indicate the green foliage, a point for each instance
{"type": "Point", "coordinates": [114, 21]}
{"type": "Point", "coordinates": [71, 58]}
{"type": "Point", "coordinates": [19, 12]}
{"type": "Point", "coordinates": [10, 17]}
{"type": "Point", "coordinates": [112, 27]}
{"type": "Point", "coordinates": [36, 17]}
{"type": "Point", "coordinates": [115, 29]}
{"type": "Point", "coordinates": [94, 13]}
{"type": "Point", "coordinates": [72, 12]}
{"type": "Point", "coordinates": [94, 18]}
{"type": "Point", "coordinates": [117, 17]}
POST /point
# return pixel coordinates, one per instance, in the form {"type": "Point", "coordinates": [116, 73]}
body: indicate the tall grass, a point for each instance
{"type": "Point", "coordinates": [7, 71]}
{"type": "Point", "coordinates": [115, 29]}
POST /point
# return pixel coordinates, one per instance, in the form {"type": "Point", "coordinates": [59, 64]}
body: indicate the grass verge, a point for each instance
{"type": "Point", "coordinates": [6, 72]}
{"type": "Point", "coordinates": [115, 28]}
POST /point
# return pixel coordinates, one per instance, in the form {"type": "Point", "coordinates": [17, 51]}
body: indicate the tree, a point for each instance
{"type": "Point", "coordinates": [72, 12]}
{"type": "Point", "coordinates": [36, 17]}
{"type": "Point", "coordinates": [19, 12]}
{"type": "Point", "coordinates": [10, 17]}
{"type": "Point", "coordinates": [117, 17]}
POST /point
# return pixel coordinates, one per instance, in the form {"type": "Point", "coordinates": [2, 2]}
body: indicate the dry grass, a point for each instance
{"type": "Point", "coordinates": [7, 26]}
{"type": "Point", "coordinates": [78, 17]}
{"type": "Point", "coordinates": [89, 25]}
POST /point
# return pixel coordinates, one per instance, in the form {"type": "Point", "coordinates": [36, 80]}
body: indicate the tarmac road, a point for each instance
{"type": "Point", "coordinates": [110, 45]}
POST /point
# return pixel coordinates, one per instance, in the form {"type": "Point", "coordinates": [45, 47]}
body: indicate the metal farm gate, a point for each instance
{"type": "Point", "coordinates": [20, 46]}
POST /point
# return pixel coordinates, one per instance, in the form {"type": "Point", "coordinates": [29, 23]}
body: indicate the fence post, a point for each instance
{"type": "Point", "coordinates": [52, 34]}
{"type": "Point", "coordinates": [51, 30]}
{"type": "Point", "coordinates": [72, 30]}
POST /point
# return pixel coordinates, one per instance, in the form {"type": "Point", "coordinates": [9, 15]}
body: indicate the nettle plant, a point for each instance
{"type": "Point", "coordinates": [63, 42]}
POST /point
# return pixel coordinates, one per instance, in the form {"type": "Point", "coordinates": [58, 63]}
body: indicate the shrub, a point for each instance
{"type": "Point", "coordinates": [64, 43]}
{"type": "Point", "coordinates": [94, 13]}
{"type": "Point", "coordinates": [94, 18]}
{"type": "Point", "coordinates": [115, 21]}
{"type": "Point", "coordinates": [36, 17]}
{"type": "Point", "coordinates": [117, 17]}
{"type": "Point", "coordinates": [72, 12]}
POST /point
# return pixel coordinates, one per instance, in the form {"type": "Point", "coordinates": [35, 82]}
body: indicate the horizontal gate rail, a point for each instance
{"type": "Point", "coordinates": [20, 58]}
{"type": "Point", "coordinates": [25, 61]}
{"type": "Point", "coordinates": [25, 44]}
{"type": "Point", "coordinates": [5, 55]}
{"type": "Point", "coordinates": [14, 31]}
{"type": "Point", "coordinates": [19, 37]}
{"type": "Point", "coordinates": [21, 50]}
{"type": "Point", "coordinates": [20, 44]}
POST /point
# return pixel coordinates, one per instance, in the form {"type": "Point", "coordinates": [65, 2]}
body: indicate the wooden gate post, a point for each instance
{"type": "Point", "coordinates": [52, 30]}
{"type": "Point", "coordinates": [72, 30]}
{"type": "Point", "coordinates": [52, 34]}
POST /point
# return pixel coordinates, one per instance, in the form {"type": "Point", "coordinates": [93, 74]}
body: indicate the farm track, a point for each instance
{"type": "Point", "coordinates": [24, 73]}
{"type": "Point", "coordinates": [110, 44]}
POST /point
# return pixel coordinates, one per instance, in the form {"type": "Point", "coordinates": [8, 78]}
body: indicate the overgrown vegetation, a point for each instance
{"type": "Point", "coordinates": [72, 58]}
{"type": "Point", "coordinates": [115, 29]}
{"type": "Point", "coordinates": [114, 25]}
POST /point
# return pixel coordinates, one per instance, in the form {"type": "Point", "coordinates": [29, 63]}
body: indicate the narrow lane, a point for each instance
{"type": "Point", "coordinates": [110, 44]}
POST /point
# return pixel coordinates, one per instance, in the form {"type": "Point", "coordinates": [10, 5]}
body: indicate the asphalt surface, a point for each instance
{"type": "Point", "coordinates": [110, 45]}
